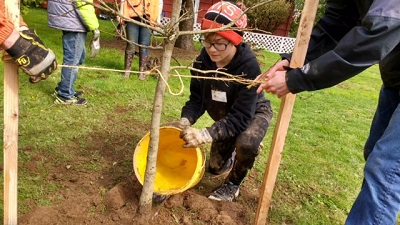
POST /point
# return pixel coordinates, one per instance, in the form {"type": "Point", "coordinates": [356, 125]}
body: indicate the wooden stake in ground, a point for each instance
{"type": "Point", "coordinates": [10, 137]}
{"type": "Point", "coordinates": [285, 112]}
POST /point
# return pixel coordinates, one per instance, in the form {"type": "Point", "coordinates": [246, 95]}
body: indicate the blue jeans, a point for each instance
{"type": "Point", "coordinates": [139, 35]}
{"type": "Point", "coordinates": [74, 55]}
{"type": "Point", "coordinates": [379, 199]}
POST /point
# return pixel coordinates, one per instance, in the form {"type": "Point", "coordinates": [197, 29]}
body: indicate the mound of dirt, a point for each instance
{"type": "Point", "coordinates": [84, 201]}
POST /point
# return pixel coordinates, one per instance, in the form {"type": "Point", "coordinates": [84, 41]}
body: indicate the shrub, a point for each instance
{"type": "Point", "coordinates": [269, 16]}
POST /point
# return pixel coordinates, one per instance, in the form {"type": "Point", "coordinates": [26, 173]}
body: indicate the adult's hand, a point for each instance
{"type": "Point", "coordinates": [274, 80]}
{"type": "Point", "coordinates": [275, 83]}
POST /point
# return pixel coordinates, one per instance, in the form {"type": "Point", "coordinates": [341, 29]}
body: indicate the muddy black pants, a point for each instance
{"type": "Point", "coordinates": [246, 145]}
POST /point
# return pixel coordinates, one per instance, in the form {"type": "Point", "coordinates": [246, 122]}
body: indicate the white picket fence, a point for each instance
{"type": "Point", "coordinates": [271, 43]}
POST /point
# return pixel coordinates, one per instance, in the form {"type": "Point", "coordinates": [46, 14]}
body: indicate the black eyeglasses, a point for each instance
{"type": "Point", "coordinates": [218, 46]}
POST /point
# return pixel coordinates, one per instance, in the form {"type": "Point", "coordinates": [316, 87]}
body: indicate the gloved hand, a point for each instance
{"type": "Point", "coordinates": [194, 137]}
{"type": "Point", "coordinates": [32, 56]}
{"type": "Point", "coordinates": [95, 44]}
{"type": "Point", "coordinates": [96, 34]}
{"type": "Point", "coordinates": [181, 124]}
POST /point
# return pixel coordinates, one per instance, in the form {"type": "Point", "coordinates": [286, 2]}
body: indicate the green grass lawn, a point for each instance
{"type": "Point", "coordinates": [321, 168]}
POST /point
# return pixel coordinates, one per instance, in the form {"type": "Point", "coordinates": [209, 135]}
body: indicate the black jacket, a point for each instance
{"type": "Point", "coordinates": [233, 115]}
{"type": "Point", "coordinates": [351, 36]}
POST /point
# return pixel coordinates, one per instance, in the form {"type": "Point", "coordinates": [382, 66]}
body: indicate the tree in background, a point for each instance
{"type": "Point", "coordinates": [270, 16]}
{"type": "Point", "coordinates": [299, 5]}
{"type": "Point", "coordinates": [186, 41]}
{"type": "Point", "coordinates": [26, 4]}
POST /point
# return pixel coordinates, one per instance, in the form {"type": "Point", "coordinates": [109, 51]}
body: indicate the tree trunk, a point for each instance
{"type": "Point", "coordinates": [186, 41]}
{"type": "Point", "coordinates": [145, 202]}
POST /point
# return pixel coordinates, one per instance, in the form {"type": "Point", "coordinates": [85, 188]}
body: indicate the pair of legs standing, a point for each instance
{"type": "Point", "coordinates": [74, 51]}
{"type": "Point", "coordinates": [142, 37]}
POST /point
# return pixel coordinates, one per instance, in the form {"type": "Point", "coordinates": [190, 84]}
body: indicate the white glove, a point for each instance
{"type": "Point", "coordinates": [95, 44]}
{"type": "Point", "coordinates": [194, 137]}
{"type": "Point", "coordinates": [96, 34]}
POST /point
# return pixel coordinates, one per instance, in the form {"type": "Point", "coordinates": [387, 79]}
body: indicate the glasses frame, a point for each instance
{"type": "Point", "coordinates": [221, 46]}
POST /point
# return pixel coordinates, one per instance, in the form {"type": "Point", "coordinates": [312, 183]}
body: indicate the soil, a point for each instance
{"type": "Point", "coordinates": [110, 195]}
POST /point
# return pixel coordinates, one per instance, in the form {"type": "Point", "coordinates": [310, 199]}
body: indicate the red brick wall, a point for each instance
{"type": "Point", "coordinates": [167, 8]}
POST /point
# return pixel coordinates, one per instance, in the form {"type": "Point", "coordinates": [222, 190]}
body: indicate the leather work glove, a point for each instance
{"type": "Point", "coordinates": [181, 124]}
{"type": "Point", "coordinates": [95, 44]}
{"type": "Point", "coordinates": [30, 54]}
{"type": "Point", "coordinates": [194, 137]}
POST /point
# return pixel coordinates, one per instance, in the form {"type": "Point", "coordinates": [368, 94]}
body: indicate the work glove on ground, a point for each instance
{"type": "Point", "coordinates": [30, 53]}
{"type": "Point", "coordinates": [181, 124]}
{"type": "Point", "coordinates": [194, 137]}
{"type": "Point", "coordinates": [95, 44]}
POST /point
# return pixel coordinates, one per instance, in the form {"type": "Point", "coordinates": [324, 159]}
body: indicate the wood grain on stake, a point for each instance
{"type": "Point", "coordinates": [285, 112]}
{"type": "Point", "coordinates": [10, 137]}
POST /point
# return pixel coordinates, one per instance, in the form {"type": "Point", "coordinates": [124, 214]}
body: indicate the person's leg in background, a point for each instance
{"type": "Point", "coordinates": [132, 34]}
{"type": "Point", "coordinates": [144, 40]}
{"type": "Point", "coordinates": [74, 51]}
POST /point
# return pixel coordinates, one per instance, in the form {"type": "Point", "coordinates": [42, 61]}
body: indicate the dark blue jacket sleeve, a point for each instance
{"type": "Point", "coordinates": [341, 46]}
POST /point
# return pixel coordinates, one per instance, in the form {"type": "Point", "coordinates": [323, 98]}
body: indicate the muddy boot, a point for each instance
{"type": "Point", "coordinates": [142, 66]}
{"type": "Point", "coordinates": [128, 63]}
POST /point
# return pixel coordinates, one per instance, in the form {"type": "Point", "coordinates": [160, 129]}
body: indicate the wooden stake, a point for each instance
{"type": "Point", "coordinates": [10, 136]}
{"type": "Point", "coordinates": [285, 112]}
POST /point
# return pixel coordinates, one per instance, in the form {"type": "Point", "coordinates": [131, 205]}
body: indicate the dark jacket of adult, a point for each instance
{"type": "Point", "coordinates": [233, 115]}
{"type": "Point", "coordinates": [351, 36]}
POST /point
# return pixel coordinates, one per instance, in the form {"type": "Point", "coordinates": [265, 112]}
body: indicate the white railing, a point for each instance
{"type": "Point", "coordinates": [271, 43]}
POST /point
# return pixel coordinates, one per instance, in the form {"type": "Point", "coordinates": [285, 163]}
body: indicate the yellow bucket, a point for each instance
{"type": "Point", "coordinates": [178, 168]}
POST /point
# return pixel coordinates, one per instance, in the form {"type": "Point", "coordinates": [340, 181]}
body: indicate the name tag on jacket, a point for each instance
{"type": "Point", "coordinates": [218, 96]}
